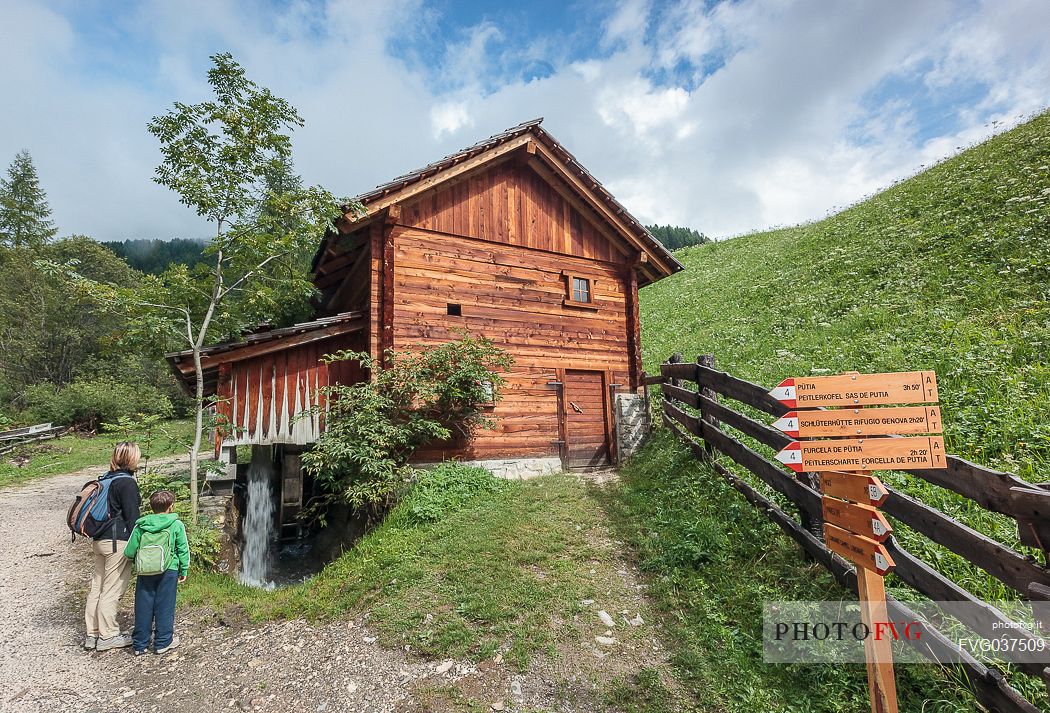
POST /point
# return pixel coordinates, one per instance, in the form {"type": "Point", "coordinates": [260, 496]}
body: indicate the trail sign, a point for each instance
{"type": "Point", "coordinates": [901, 420]}
{"type": "Point", "coordinates": [910, 453]}
{"type": "Point", "coordinates": [858, 519]}
{"type": "Point", "coordinates": [909, 387]}
{"type": "Point", "coordinates": [861, 551]}
{"type": "Point", "coordinates": [860, 488]}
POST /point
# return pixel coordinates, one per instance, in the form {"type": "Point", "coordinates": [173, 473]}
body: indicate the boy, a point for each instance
{"type": "Point", "coordinates": [155, 592]}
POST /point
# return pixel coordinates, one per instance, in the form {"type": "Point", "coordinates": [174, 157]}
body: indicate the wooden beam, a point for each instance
{"type": "Point", "coordinates": [247, 352]}
{"type": "Point", "coordinates": [375, 295]}
{"type": "Point", "coordinates": [341, 258]}
{"type": "Point", "coordinates": [386, 341]}
{"type": "Point", "coordinates": [634, 333]}
{"type": "Point", "coordinates": [610, 423]}
{"type": "Point", "coordinates": [351, 279]}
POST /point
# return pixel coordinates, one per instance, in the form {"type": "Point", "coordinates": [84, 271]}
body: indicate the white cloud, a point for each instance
{"type": "Point", "coordinates": [779, 131]}
{"type": "Point", "coordinates": [449, 117]}
{"type": "Point", "coordinates": [641, 106]}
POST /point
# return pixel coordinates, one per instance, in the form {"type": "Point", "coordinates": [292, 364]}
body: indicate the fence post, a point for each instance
{"type": "Point", "coordinates": [676, 358]}
{"type": "Point", "coordinates": [707, 360]}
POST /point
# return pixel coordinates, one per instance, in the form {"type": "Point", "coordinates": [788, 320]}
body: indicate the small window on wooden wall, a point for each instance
{"type": "Point", "coordinates": [579, 291]}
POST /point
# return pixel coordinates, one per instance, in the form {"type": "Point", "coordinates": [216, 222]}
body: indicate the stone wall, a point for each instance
{"type": "Point", "coordinates": [632, 424]}
{"type": "Point", "coordinates": [223, 513]}
{"type": "Point", "coordinates": [512, 468]}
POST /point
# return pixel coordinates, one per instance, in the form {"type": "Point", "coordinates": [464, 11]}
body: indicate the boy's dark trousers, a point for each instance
{"type": "Point", "coordinates": [155, 607]}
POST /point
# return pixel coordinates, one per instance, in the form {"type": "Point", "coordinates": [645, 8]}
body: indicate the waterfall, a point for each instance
{"type": "Point", "coordinates": [258, 522]}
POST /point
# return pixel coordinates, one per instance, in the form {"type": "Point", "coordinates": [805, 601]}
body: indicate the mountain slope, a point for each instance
{"type": "Point", "coordinates": [949, 270]}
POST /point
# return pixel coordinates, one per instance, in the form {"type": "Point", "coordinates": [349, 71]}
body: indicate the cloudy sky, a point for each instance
{"type": "Point", "coordinates": [724, 116]}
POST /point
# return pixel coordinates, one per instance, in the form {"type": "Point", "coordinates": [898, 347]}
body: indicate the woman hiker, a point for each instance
{"type": "Point", "coordinates": [112, 569]}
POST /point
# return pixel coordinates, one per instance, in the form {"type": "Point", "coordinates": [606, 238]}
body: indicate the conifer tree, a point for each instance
{"type": "Point", "coordinates": [25, 216]}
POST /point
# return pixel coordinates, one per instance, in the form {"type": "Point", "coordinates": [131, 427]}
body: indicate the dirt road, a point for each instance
{"type": "Point", "coordinates": [230, 665]}
{"type": "Point", "coordinates": [42, 667]}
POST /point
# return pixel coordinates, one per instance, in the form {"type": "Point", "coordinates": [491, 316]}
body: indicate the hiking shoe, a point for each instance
{"type": "Point", "coordinates": [140, 653]}
{"type": "Point", "coordinates": [173, 645]}
{"type": "Point", "coordinates": [90, 641]}
{"type": "Point", "coordinates": [114, 642]}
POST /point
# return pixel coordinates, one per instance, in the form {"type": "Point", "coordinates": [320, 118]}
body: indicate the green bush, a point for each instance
{"type": "Point", "coordinates": [203, 535]}
{"type": "Point", "coordinates": [373, 427]}
{"type": "Point", "coordinates": [443, 490]}
{"type": "Point", "coordinates": [87, 402]}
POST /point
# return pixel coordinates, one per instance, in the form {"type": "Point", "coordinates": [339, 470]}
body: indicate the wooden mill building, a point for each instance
{"type": "Point", "coordinates": [511, 239]}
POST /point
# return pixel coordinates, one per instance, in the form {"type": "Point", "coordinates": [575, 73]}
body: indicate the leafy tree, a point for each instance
{"type": "Point", "coordinates": [676, 237]}
{"type": "Point", "coordinates": [25, 217]}
{"type": "Point", "coordinates": [217, 156]}
{"type": "Point", "coordinates": [373, 427]}
{"type": "Point", "coordinates": [48, 332]}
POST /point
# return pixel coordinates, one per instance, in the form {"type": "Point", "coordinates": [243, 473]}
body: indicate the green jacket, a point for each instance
{"type": "Point", "coordinates": [180, 554]}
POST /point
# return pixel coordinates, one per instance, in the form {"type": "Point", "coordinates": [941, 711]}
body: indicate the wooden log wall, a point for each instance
{"type": "Point", "coordinates": [703, 432]}
{"type": "Point", "coordinates": [514, 296]}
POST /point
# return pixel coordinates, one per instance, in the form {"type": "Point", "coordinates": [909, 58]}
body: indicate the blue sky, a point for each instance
{"type": "Point", "coordinates": [724, 116]}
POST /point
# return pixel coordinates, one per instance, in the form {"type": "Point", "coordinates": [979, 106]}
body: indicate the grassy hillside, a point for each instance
{"type": "Point", "coordinates": [948, 271]}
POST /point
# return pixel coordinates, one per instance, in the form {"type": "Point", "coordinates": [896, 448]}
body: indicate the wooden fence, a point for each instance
{"type": "Point", "coordinates": [705, 432]}
{"type": "Point", "coordinates": [12, 439]}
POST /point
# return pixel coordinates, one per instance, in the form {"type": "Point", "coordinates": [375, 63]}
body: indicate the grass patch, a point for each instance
{"type": "Point", "coordinates": [643, 692]}
{"type": "Point", "coordinates": [497, 573]}
{"type": "Point", "coordinates": [77, 452]}
{"type": "Point", "coordinates": [712, 560]}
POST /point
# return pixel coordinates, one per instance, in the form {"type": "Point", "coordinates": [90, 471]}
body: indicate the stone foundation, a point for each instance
{"type": "Point", "coordinates": [512, 468]}
{"type": "Point", "coordinates": [222, 512]}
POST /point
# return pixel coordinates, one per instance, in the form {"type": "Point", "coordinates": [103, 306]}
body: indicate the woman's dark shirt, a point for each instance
{"type": "Point", "coordinates": [124, 503]}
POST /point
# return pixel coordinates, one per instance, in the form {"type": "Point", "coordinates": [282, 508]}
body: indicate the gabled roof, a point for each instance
{"type": "Point", "coordinates": [562, 163]}
{"type": "Point", "coordinates": [258, 344]}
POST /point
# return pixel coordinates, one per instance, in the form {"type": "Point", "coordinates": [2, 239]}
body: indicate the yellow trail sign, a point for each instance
{"type": "Point", "coordinates": [899, 420]}
{"type": "Point", "coordinates": [861, 551]}
{"type": "Point", "coordinates": [853, 454]}
{"type": "Point", "coordinates": [858, 487]}
{"type": "Point", "coordinates": [907, 387]}
{"type": "Point", "coordinates": [858, 519]}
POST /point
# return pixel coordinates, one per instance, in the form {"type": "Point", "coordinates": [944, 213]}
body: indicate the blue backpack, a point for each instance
{"type": "Point", "coordinates": [89, 513]}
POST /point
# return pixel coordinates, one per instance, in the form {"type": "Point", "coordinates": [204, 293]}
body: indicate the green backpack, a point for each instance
{"type": "Point", "coordinates": [154, 552]}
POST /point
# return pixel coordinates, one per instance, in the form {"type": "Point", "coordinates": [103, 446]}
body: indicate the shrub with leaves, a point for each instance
{"type": "Point", "coordinates": [373, 427]}
{"type": "Point", "coordinates": [202, 533]}
{"type": "Point", "coordinates": [88, 402]}
{"type": "Point", "coordinates": [445, 489]}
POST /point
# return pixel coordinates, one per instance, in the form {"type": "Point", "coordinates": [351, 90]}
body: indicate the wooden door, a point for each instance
{"type": "Point", "coordinates": [585, 417]}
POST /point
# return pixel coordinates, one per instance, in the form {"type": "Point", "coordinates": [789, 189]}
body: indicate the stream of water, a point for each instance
{"type": "Point", "coordinates": [258, 522]}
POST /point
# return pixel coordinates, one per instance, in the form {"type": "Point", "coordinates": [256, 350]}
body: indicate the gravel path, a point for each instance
{"type": "Point", "coordinates": [230, 665]}
{"type": "Point", "coordinates": [41, 663]}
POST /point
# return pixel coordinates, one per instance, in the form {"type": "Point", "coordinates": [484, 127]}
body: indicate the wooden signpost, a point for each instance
{"type": "Point", "coordinates": [901, 421]}
{"type": "Point", "coordinates": [856, 487]}
{"type": "Point", "coordinates": [860, 550]}
{"type": "Point", "coordinates": [860, 519]}
{"type": "Point", "coordinates": [910, 453]}
{"type": "Point", "coordinates": [853, 527]}
{"type": "Point", "coordinates": [909, 387]}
